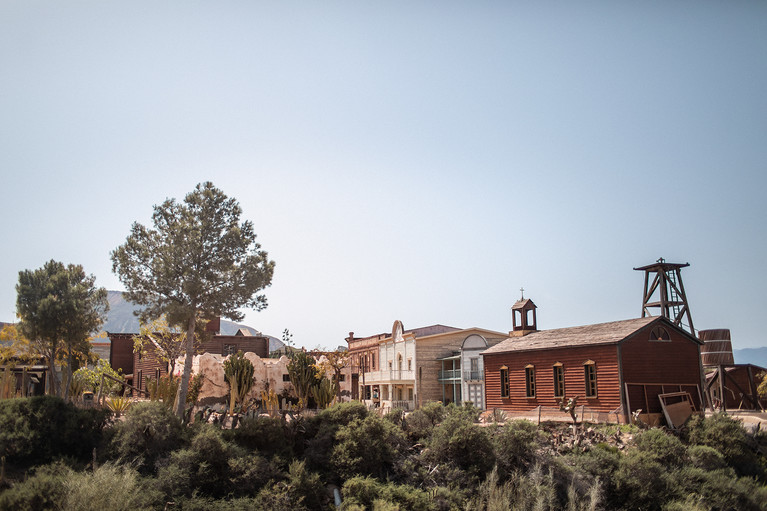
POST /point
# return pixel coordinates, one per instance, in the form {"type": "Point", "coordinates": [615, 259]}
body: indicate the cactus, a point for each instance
{"type": "Point", "coordinates": [324, 392]}
{"type": "Point", "coordinates": [238, 371]}
{"type": "Point", "coordinates": [270, 401]}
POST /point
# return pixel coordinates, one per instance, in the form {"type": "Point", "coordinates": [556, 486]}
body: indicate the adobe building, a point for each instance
{"type": "Point", "coordinates": [136, 367]}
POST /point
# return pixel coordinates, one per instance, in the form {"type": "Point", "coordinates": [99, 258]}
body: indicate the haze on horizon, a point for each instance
{"type": "Point", "coordinates": [419, 161]}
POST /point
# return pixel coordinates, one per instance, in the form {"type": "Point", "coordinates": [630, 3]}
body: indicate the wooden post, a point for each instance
{"type": "Point", "coordinates": [539, 415]}
{"type": "Point", "coordinates": [721, 388]}
{"type": "Point", "coordinates": [101, 387]}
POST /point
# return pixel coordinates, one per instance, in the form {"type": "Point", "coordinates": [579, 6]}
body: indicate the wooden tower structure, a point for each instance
{"type": "Point", "coordinates": [664, 293]}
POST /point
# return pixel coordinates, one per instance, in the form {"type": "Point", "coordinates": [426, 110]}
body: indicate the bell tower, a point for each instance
{"type": "Point", "coordinates": [523, 317]}
{"type": "Point", "coordinates": [664, 293]}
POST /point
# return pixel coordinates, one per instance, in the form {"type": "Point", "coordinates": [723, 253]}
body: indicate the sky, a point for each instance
{"type": "Point", "coordinates": [415, 161]}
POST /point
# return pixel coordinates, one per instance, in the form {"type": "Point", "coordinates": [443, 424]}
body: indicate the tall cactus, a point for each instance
{"type": "Point", "coordinates": [324, 392]}
{"type": "Point", "coordinates": [238, 371]}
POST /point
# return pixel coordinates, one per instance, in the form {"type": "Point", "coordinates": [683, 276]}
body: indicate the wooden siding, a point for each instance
{"type": "Point", "coordinates": [661, 366]}
{"type": "Point", "coordinates": [572, 359]}
{"type": "Point", "coordinates": [247, 344]}
{"type": "Point", "coordinates": [121, 352]}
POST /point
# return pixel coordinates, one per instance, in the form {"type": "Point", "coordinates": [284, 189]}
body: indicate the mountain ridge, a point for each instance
{"type": "Point", "coordinates": [121, 319]}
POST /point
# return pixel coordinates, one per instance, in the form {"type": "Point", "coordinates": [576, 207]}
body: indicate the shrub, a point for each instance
{"type": "Point", "coordinates": [462, 444]}
{"type": "Point", "coordinates": [705, 457]}
{"type": "Point", "coordinates": [41, 428]}
{"type": "Point", "coordinates": [718, 489]}
{"type": "Point", "coordinates": [369, 493]}
{"type": "Point", "coordinates": [516, 444]}
{"type": "Point", "coordinates": [727, 436]}
{"type": "Point", "coordinates": [367, 447]}
{"type": "Point", "coordinates": [44, 489]}
{"type": "Point", "coordinates": [664, 448]}
{"type": "Point", "coordinates": [265, 434]}
{"type": "Point", "coordinates": [420, 423]}
{"type": "Point", "coordinates": [112, 487]}
{"type": "Point", "coordinates": [150, 430]}
{"type": "Point", "coordinates": [640, 482]}
{"type": "Point", "coordinates": [320, 431]}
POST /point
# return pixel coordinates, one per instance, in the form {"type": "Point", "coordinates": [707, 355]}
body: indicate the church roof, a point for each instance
{"type": "Point", "coordinates": [587, 335]}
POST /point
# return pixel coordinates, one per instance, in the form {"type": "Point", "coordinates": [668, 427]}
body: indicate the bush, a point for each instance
{"type": "Point", "coordinates": [45, 489]}
{"type": "Point", "coordinates": [420, 423]}
{"type": "Point", "coordinates": [367, 447]}
{"type": "Point", "coordinates": [718, 489]}
{"type": "Point", "coordinates": [369, 493]}
{"type": "Point", "coordinates": [726, 435]}
{"type": "Point", "coordinates": [461, 443]}
{"type": "Point", "coordinates": [321, 431]}
{"type": "Point", "coordinates": [42, 428]}
{"type": "Point", "coordinates": [664, 448]}
{"type": "Point", "coordinates": [264, 434]}
{"type": "Point", "coordinates": [516, 444]}
{"type": "Point", "coordinates": [641, 482]}
{"type": "Point", "coordinates": [150, 430]}
{"type": "Point", "coordinates": [705, 457]}
{"type": "Point", "coordinates": [112, 487]}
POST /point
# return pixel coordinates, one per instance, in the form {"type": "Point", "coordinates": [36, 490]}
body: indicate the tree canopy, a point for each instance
{"type": "Point", "coordinates": [60, 308]}
{"type": "Point", "coordinates": [198, 262]}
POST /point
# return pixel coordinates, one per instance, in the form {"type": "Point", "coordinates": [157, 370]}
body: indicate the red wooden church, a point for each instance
{"type": "Point", "coordinates": [617, 367]}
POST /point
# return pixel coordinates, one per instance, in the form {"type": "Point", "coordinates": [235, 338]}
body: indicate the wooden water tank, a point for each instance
{"type": "Point", "coordinates": [717, 347]}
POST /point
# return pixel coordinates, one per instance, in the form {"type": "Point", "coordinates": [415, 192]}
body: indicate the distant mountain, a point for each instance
{"type": "Point", "coordinates": [755, 356]}
{"type": "Point", "coordinates": [121, 319]}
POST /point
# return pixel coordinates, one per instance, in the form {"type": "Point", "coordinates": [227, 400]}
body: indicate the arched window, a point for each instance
{"type": "Point", "coordinates": [659, 334]}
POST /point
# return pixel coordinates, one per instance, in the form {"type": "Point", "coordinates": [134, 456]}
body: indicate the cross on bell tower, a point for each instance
{"type": "Point", "coordinates": [665, 293]}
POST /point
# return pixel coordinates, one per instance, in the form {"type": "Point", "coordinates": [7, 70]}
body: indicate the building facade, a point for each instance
{"type": "Point", "coordinates": [408, 368]}
{"type": "Point", "coordinates": [618, 367]}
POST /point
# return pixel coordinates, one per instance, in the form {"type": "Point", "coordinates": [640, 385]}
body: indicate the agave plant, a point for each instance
{"type": "Point", "coordinates": [118, 405]}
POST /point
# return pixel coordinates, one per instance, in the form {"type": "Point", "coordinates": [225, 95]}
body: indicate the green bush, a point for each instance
{"type": "Point", "coordinates": [663, 447]}
{"type": "Point", "coordinates": [420, 423]}
{"type": "Point", "coordinates": [705, 457]}
{"type": "Point", "coordinates": [726, 435]}
{"type": "Point", "coordinates": [266, 435]}
{"type": "Point", "coordinates": [718, 489]}
{"type": "Point", "coordinates": [44, 489]}
{"type": "Point", "coordinates": [516, 444]}
{"type": "Point", "coordinates": [37, 430]}
{"type": "Point", "coordinates": [367, 447]}
{"type": "Point", "coordinates": [640, 482]}
{"type": "Point", "coordinates": [320, 431]}
{"type": "Point", "coordinates": [150, 430]}
{"type": "Point", "coordinates": [110, 486]}
{"type": "Point", "coordinates": [368, 493]}
{"type": "Point", "coordinates": [460, 443]}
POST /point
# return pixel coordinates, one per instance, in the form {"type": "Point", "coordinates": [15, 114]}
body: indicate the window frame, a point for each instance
{"type": "Point", "coordinates": [503, 373]}
{"type": "Point", "coordinates": [559, 379]}
{"type": "Point", "coordinates": [590, 379]}
{"type": "Point", "coordinates": [530, 381]}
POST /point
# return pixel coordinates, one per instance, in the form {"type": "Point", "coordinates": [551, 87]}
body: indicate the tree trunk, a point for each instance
{"type": "Point", "coordinates": [183, 387]}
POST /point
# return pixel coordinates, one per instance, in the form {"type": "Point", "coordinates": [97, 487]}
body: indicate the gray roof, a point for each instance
{"type": "Point", "coordinates": [587, 335]}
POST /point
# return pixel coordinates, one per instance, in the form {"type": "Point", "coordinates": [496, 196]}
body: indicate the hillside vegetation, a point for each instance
{"type": "Point", "coordinates": [437, 458]}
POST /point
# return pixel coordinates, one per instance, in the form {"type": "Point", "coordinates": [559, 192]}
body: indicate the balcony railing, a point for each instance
{"type": "Point", "coordinates": [452, 374]}
{"type": "Point", "coordinates": [405, 405]}
{"type": "Point", "coordinates": [388, 375]}
{"type": "Point", "coordinates": [474, 375]}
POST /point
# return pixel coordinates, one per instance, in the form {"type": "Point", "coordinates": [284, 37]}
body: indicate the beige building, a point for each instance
{"type": "Point", "coordinates": [408, 368]}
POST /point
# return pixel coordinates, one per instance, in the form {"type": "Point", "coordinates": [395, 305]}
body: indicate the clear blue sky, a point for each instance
{"type": "Point", "coordinates": [418, 161]}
